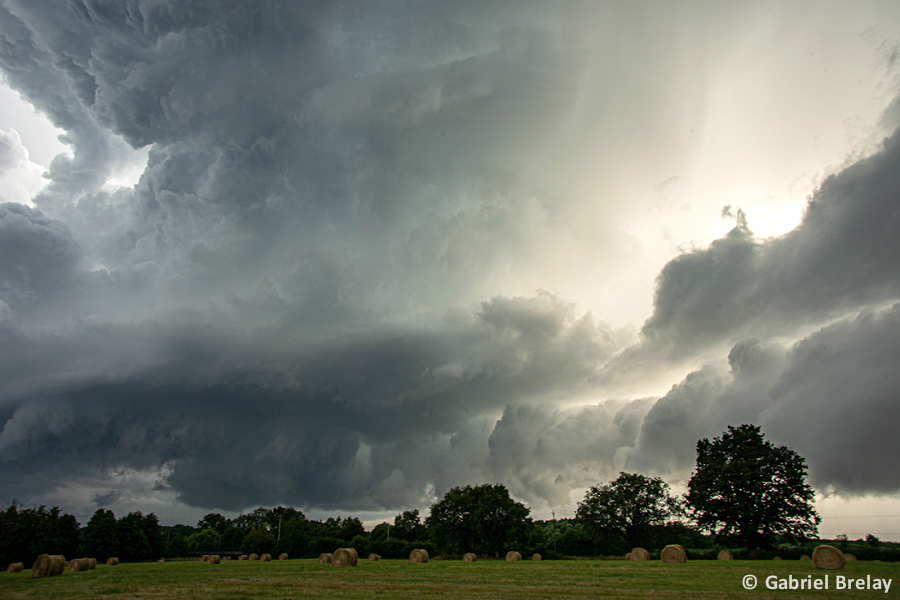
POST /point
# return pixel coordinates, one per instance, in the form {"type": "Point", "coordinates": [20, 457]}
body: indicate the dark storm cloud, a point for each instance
{"type": "Point", "coordinates": [344, 423]}
{"type": "Point", "coordinates": [289, 306]}
{"type": "Point", "coordinates": [831, 397]}
{"type": "Point", "coordinates": [845, 254]}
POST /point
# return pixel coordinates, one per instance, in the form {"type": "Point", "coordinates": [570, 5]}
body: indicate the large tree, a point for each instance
{"type": "Point", "coordinates": [630, 506]}
{"type": "Point", "coordinates": [748, 490]}
{"type": "Point", "coordinates": [481, 519]}
{"type": "Point", "coordinates": [100, 538]}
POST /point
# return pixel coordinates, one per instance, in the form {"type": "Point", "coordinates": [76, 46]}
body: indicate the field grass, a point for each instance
{"type": "Point", "coordinates": [239, 580]}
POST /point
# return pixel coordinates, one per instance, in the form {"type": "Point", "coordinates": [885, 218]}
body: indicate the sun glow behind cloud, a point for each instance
{"type": "Point", "coordinates": [418, 262]}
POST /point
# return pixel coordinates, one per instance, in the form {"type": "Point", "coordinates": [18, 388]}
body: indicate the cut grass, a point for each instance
{"type": "Point", "coordinates": [289, 579]}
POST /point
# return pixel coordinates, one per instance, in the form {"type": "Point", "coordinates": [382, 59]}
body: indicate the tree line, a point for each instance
{"type": "Point", "coordinates": [745, 492]}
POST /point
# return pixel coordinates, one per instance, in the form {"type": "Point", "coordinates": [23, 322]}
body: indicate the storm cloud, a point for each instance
{"type": "Point", "coordinates": [344, 278]}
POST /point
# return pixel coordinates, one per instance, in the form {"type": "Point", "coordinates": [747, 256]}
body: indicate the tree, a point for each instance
{"type": "Point", "coordinates": [407, 526]}
{"type": "Point", "coordinates": [207, 539]}
{"type": "Point", "coordinates": [630, 506]}
{"type": "Point", "coordinates": [750, 490]}
{"type": "Point", "coordinates": [100, 537]}
{"type": "Point", "coordinates": [214, 521]}
{"type": "Point", "coordinates": [133, 542]}
{"type": "Point", "coordinates": [481, 519]}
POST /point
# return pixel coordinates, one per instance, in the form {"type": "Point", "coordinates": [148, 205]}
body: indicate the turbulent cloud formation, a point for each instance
{"type": "Point", "coordinates": [326, 288]}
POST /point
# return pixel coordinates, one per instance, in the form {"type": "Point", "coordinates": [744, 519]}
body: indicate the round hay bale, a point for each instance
{"type": "Point", "coordinates": [344, 557]}
{"type": "Point", "coordinates": [536, 557]}
{"type": "Point", "coordinates": [204, 558]}
{"type": "Point", "coordinates": [41, 566]}
{"type": "Point", "coordinates": [215, 559]}
{"type": "Point", "coordinates": [325, 559]}
{"type": "Point", "coordinates": [112, 561]}
{"type": "Point", "coordinates": [283, 556]}
{"type": "Point", "coordinates": [161, 560]}
{"type": "Point", "coordinates": [242, 557]}
{"type": "Point", "coordinates": [46, 565]}
{"type": "Point", "coordinates": [79, 564]}
{"type": "Point", "coordinates": [828, 557]}
{"type": "Point", "coordinates": [513, 556]}
{"type": "Point", "coordinates": [15, 567]}
{"type": "Point", "coordinates": [725, 555]}
{"type": "Point", "coordinates": [628, 556]}
{"type": "Point", "coordinates": [253, 556]}
{"type": "Point", "coordinates": [639, 554]}
{"type": "Point", "coordinates": [94, 562]}
{"type": "Point", "coordinates": [57, 564]}
{"type": "Point", "coordinates": [374, 556]}
{"type": "Point", "coordinates": [469, 557]}
{"type": "Point", "coordinates": [849, 557]}
{"type": "Point", "coordinates": [777, 558]}
{"type": "Point", "coordinates": [805, 557]}
{"type": "Point", "coordinates": [265, 557]}
{"type": "Point", "coordinates": [672, 554]}
{"type": "Point", "coordinates": [418, 556]}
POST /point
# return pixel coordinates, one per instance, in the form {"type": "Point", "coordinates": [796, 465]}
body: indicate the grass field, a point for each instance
{"type": "Point", "coordinates": [238, 580]}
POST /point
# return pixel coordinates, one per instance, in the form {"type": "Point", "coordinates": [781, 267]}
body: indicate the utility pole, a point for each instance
{"type": "Point", "coordinates": [553, 512]}
{"type": "Point", "coordinates": [279, 528]}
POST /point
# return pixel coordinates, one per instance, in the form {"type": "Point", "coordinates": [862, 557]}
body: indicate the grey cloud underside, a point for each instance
{"type": "Point", "coordinates": [844, 255]}
{"type": "Point", "coordinates": [296, 303]}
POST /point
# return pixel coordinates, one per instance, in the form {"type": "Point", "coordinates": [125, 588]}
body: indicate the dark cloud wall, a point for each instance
{"type": "Point", "coordinates": [306, 298]}
{"type": "Point", "coordinates": [843, 256]}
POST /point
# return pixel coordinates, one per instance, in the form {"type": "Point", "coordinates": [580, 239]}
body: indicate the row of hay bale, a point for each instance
{"type": "Point", "coordinates": [46, 565]}
{"type": "Point", "coordinates": [347, 557]}
{"type": "Point", "coordinates": [672, 554]}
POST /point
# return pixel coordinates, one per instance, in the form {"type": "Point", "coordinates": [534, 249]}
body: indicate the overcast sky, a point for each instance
{"type": "Point", "coordinates": [344, 257]}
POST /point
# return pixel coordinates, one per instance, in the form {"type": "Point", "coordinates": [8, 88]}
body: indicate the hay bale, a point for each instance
{"type": "Point", "coordinates": [849, 557]}
{"type": "Point", "coordinates": [325, 559]}
{"type": "Point", "coordinates": [46, 565]}
{"type": "Point", "coordinates": [253, 556]}
{"type": "Point", "coordinates": [265, 557]}
{"type": "Point", "coordinates": [638, 554]}
{"type": "Point", "coordinates": [513, 556]}
{"type": "Point", "coordinates": [344, 557]}
{"type": "Point", "coordinates": [283, 556]}
{"type": "Point", "coordinates": [418, 556]}
{"type": "Point", "coordinates": [215, 559]}
{"type": "Point", "coordinates": [725, 555]}
{"type": "Point", "coordinates": [15, 567]}
{"type": "Point", "coordinates": [536, 557]}
{"type": "Point", "coordinates": [777, 558]}
{"type": "Point", "coordinates": [805, 557]}
{"type": "Point", "coordinates": [93, 562]}
{"type": "Point", "coordinates": [828, 557]}
{"type": "Point", "coordinates": [673, 554]}
{"type": "Point", "coordinates": [57, 564]}
{"type": "Point", "coordinates": [469, 557]}
{"type": "Point", "coordinates": [79, 564]}
{"type": "Point", "coordinates": [41, 566]}
{"type": "Point", "coordinates": [374, 556]}
{"type": "Point", "coordinates": [161, 560]}
{"type": "Point", "coordinates": [243, 557]}
{"type": "Point", "coordinates": [112, 560]}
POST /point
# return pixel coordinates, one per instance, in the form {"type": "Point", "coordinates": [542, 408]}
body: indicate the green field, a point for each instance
{"type": "Point", "coordinates": [236, 580]}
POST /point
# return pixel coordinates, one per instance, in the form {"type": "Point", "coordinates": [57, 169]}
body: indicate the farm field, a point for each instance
{"type": "Point", "coordinates": [236, 580]}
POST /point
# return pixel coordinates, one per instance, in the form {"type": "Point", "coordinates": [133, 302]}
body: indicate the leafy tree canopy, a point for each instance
{"type": "Point", "coordinates": [214, 521]}
{"type": "Point", "coordinates": [747, 489]}
{"type": "Point", "coordinates": [481, 519]}
{"type": "Point", "coordinates": [630, 506]}
{"type": "Point", "coordinates": [408, 526]}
